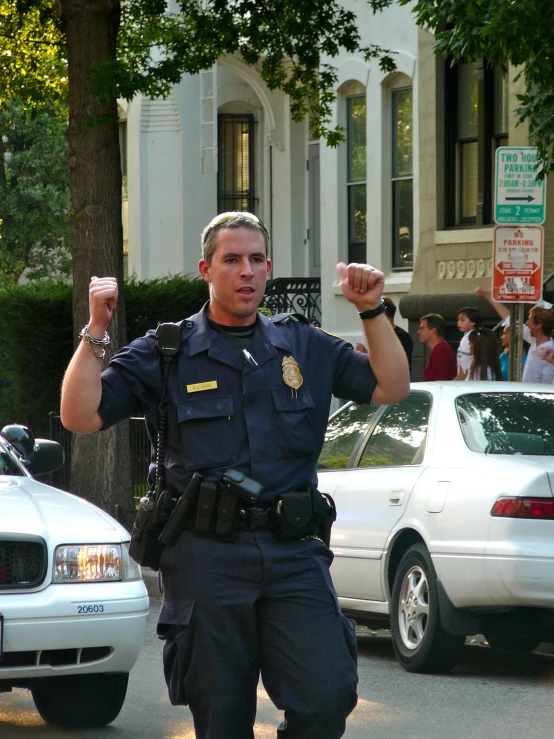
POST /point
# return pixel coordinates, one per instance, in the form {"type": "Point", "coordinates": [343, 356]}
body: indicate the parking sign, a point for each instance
{"type": "Point", "coordinates": [519, 196]}
{"type": "Point", "coordinates": [517, 264]}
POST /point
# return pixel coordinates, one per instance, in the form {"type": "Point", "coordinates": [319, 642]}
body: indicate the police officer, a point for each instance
{"type": "Point", "coordinates": [250, 393]}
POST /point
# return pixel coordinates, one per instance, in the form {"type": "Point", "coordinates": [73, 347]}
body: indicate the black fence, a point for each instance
{"type": "Point", "coordinates": [295, 295]}
{"type": "Point", "coordinates": [140, 454]}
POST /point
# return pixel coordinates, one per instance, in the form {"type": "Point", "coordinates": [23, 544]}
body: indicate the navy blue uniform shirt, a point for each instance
{"type": "Point", "coordinates": [245, 417]}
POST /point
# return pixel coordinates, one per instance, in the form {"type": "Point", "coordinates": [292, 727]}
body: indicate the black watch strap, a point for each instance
{"type": "Point", "coordinates": [372, 312]}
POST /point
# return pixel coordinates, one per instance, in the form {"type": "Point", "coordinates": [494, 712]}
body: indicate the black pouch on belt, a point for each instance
{"type": "Point", "coordinates": [227, 520]}
{"type": "Point", "coordinates": [293, 517]}
{"type": "Point", "coordinates": [204, 523]}
{"type": "Point", "coordinates": [326, 513]}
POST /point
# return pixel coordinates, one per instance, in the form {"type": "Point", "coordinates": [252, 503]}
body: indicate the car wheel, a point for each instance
{"type": "Point", "coordinates": [420, 643]}
{"type": "Point", "coordinates": [513, 641]}
{"type": "Point", "coordinates": [80, 700]}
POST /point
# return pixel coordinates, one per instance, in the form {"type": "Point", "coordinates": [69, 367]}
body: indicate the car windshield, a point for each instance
{"type": "Point", "coordinates": [7, 465]}
{"type": "Point", "coordinates": [508, 423]}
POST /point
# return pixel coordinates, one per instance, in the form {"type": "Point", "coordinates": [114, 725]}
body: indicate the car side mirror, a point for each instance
{"type": "Point", "coordinates": [47, 456]}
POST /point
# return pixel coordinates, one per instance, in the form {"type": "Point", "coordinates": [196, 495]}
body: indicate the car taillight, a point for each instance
{"type": "Point", "coordinates": [542, 508]}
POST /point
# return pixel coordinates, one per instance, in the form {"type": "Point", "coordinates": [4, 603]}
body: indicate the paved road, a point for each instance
{"type": "Point", "coordinates": [490, 695]}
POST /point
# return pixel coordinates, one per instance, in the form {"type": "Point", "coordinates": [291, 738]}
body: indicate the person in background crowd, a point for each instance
{"type": "Point", "coordinates": [537, 332]}
{"type": "Point", "coordinates": [441, 364]}
{"type": "Point", "coordinates": [468, 319]}
{"type": "Point", "coordinates": [485, 362]}
{"type": "Point", "coordinates": [538, 368]}
{"type": "Point", "coordinates": [505, 353]}
{"type": "Point", "coordinates": [403, 336]}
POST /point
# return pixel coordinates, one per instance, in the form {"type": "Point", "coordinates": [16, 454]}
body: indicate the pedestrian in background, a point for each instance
{"type": "Point", "coordinates": [403, 336]}
{"type": "Point", "coordinates": [537, 332]}
{"type": "Point", "coordinates": [505, 353]}
{"type": "Point", "coordinates": [485, 362]}
{"type": "Point", "coordinates": [253, 394]}
{"type": "Point", "coordinates": [467, 319]}
{"type": "Point", "coordinates": [441, 364]}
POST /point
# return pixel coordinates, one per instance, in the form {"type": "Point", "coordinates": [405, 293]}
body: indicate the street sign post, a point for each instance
{"type": "Point", "coordinates": [519, 196]}
{"type": "Point", "coordinates": [517, 264]}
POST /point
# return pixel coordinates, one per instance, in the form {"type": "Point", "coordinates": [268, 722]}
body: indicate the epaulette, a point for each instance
{"type": "Point", "coordinates": [330, 334]}
{"type": "Point", "coordinates": [288, 318]}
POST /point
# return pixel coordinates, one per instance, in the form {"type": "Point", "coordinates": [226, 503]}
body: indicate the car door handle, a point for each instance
{"type": "Point", "coordinates": [396, 497]}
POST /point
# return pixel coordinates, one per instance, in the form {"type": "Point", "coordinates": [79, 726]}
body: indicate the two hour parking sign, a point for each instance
{"type": "Point", "coordinates": [519, 196]}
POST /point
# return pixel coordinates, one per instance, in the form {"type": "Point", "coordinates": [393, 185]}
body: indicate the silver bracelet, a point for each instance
{"type": "Point", "coordinates": [96, 354]}
{"type": "Point", "coordinates": [84, 334]}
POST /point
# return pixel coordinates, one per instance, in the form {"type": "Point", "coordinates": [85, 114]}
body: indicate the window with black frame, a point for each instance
{"type": "Point", "coordinates": [476, 115]}
{"type": "Point", "coordinates": [236, 173]}
{"type": "Point", "coordinates": [344, 431]}
{"type": "Point", "coordinates": [402, 178]}
{"type": "Point", "coordinates": [356, 177]}
{"type": "Point", "coordinates": [399, 437]}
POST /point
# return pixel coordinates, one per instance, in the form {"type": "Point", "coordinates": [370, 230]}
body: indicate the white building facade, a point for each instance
{"type": "Point", "coordinates": [223, 141]}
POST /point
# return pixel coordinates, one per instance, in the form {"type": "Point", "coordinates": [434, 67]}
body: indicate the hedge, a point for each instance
{"type": "Point", "coordinates": [36, 337]}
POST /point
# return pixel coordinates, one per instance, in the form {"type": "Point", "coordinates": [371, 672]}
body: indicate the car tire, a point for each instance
{"type": "Point", "coordinates": [419, 640]}
{"type": "Point", "coordinates": [83, 701]}
{"type": "Point", "coordinates": [512, 641]}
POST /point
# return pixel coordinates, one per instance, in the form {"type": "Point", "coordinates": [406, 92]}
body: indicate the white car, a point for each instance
{"type": "Point", "coordinates": [445, 523]}
{"type": "Point", "coordinates": [73, 606]}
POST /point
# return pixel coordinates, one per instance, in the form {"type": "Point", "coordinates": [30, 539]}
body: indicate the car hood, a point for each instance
{"type": "Point", "coordinates": [30, 507]}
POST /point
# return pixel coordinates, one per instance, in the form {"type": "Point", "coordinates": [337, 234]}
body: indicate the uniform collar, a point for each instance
{"type": "Point", "coordinates": [266, 338]}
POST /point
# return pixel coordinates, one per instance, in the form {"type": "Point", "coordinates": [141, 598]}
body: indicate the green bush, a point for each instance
{"type": "Point", "coordinates": [36, 337]}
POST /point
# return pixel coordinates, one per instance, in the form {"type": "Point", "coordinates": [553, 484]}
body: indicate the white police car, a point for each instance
{"type": "Point", "coordinates": [73, 606]}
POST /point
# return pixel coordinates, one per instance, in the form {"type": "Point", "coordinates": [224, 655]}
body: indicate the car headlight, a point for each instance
{"type": "Point", "coordinates": [94, 563]}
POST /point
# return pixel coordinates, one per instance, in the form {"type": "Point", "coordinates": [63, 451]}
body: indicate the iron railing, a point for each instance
{"type": "Point", "coordinates": [295, 295]}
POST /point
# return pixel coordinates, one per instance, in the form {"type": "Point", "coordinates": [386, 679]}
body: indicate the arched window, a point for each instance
{"type": "Point", "coordinates": [236, 171]}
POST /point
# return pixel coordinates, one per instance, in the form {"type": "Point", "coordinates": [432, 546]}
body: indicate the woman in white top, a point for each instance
{"type": "Point", "coordinates": [485, 365]}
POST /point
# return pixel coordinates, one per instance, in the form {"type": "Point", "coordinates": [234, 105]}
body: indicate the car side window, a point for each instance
{"type": "Point", "coordinates": [343, 433]}
{"type": "Point", "coordinates": [399, 437]}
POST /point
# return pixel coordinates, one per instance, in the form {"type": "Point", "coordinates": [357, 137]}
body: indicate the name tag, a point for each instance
{"type": "Point", "coordinates": [211, 385]}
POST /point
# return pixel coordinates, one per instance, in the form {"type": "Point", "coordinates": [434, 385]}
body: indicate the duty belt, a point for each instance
{"type": "Point", "coordinates": [252, 518]}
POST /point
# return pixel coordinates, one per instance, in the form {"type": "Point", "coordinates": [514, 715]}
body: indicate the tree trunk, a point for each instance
{"type": "Point", "coordinates": [100, 467]}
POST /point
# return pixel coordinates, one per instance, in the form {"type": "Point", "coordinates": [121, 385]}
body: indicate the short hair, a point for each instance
{"type": "Point", "coordinates": [436, 321]}
{"type": "Point", "coordinates": [390, 307]}
{"type": "Point", "coordinates": [472, 313]}
{"type": "Point", "coordinates": [232, 219]}
{"type": "Point", "coordinates": [543, 316]}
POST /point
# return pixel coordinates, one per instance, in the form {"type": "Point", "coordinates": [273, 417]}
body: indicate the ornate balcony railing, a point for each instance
{"type": "Point", "coordinates": [295, 295]}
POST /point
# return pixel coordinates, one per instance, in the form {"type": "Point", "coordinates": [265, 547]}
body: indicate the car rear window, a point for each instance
{"type": "Point", "coordinates": [508, 423]}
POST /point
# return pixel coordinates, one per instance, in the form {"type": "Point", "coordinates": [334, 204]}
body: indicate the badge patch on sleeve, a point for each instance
{"type": "Point", "coordinates": [211, 385]}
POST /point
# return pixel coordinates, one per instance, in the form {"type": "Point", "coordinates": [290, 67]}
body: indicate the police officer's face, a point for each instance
{"type": "Point", "coordinates": [237, 274]}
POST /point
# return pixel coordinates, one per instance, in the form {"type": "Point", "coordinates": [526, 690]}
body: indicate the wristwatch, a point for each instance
{"type": "Point", "coordinates": [372, 312]}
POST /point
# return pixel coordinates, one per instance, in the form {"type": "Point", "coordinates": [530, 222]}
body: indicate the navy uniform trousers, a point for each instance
{"type": "Point", "coordinates": [234, 610]}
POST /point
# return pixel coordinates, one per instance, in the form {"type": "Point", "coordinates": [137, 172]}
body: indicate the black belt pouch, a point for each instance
{"type": "Point", "coordinates": [326, 512]}
{"type": "Point", "coordinates": [227, 521]}
{"type": "Point", "coordinates": [293, 517]}
{"type": "Point", "coordinates": [203, 525]}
